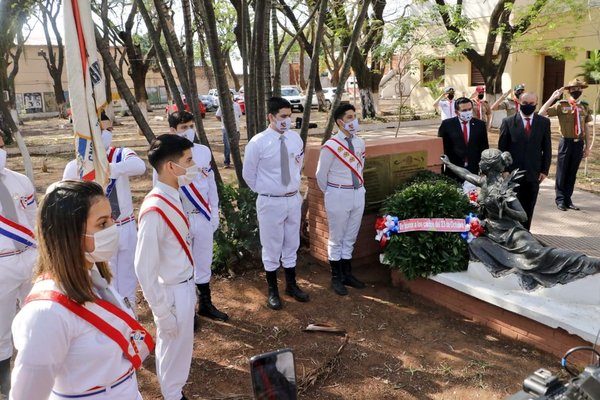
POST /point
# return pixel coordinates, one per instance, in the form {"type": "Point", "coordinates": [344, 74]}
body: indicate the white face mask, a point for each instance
{"type": "Point", "coordinates": [191, 173]}
{"type": "Point", "coordinates": [106, 243]}
{"type": "Point", "coordinates": [2, 159]}
{"type": "Point", "coordinates": [284, 124]}
{"type": "Point", "coordinates": [189, 134]}
{"type": "Point", "coordinates": [106, 138]}
{"type": "Point", "coordinates": [352, 126]}
{"type": "Point", "coordinates": [465, 115]}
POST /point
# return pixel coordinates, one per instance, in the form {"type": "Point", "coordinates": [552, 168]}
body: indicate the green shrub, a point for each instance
{"type": "Point", "coordinates": [421, 254]}
{"type": "Point", "coordinates": [237, 238]}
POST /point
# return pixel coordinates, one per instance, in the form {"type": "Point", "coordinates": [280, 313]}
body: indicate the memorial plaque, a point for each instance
{"type": "Point", "coordinates": [383, 174]}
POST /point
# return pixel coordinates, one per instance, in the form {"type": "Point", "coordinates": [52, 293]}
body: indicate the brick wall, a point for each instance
{"type": "Point", "coordinates": [553, 340]}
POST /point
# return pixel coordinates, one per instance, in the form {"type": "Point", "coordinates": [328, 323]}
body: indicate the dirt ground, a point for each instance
{"type": "Point", "coordinates": [399, 345]}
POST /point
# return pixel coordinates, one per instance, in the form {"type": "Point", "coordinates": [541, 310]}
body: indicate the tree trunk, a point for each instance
{"type": "Point", "coordinates": [367, 103]}
{"type": "Point", "coordinates": [276, 56]}
{"type": "Point", "coordinates": [257, 63]}
{"type": "Point", "coordinates": [314, 70]}
{"type": "Point", "coordinates": [110, 112]}
{"type": "Point", "coordinates": [214, 47]}
{"type": "Point", "coordinates": [346, 67]}
{"type": "Point", "coordinates": [122, 87]}
{"type": "Point", "coordinates": [301, 76]}
{"type": "Point", "coordinates": [232, 74]}
{"type": "Point", "coordinates": [266, 58]}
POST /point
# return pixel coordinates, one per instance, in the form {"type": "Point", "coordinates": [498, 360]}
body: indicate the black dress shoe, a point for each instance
{"type": "Point", "coordinates": [561, 207]}
{"type": "Point", "coordinates": [573, 207]}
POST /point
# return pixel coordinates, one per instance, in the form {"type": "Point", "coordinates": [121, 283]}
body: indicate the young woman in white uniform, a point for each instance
{"type": "Point", "coordinates": [60, 355]}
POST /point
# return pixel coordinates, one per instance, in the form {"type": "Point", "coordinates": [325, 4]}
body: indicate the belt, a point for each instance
{"type": "Point", "coordinates": [12, 253]}
{"type": "Point", "coordinates": [571, 139]}
{"type": "Point", "coordinates": [289, 194]}
{"type": "Point", "coordinates": [98, 389]}
{"type": "Point", "coordinates": [187, 280]}
{"type": "Point", "coordinates": [125, 220]}
{"type": "Point", "coordinates": [339, 186]}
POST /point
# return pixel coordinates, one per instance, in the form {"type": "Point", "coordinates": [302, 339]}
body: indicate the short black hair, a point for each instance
{"type": "Point", "coordinates": [274, 104]}
{"type": "Point", "coordinates": [461, 100]}
{"type": "Point", "coordinates": [340, 111]}
{"type": "Point", "coordinates": [165, 148]}
{"type": "Point", "coordinates": [179, 117]}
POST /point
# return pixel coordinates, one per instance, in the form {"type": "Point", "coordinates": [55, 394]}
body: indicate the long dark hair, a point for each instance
{"type": "Point", "coordinates": [61, 225]}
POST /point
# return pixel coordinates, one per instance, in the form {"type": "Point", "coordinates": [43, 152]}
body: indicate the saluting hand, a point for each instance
{"type": "Point", "coordinates": [558, 93]}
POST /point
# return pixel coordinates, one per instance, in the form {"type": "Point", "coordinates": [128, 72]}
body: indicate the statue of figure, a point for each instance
{"type": "Point", "coordinates": [507, 247]}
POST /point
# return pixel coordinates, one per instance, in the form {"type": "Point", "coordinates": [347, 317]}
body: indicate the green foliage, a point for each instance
{"type": "Point", "coordinates": [237, 238]}
{"type": "Point", "coordinates": [421, 254]}
{"type": "Point", "coordinates": [590, 69]}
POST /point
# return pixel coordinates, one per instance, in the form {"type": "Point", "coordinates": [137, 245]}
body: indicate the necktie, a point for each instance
{"type": "Point", "coordinates": [528, 126]}
{"type": "Point", "coordinates": [284, 161]}
{"type": "Point", "coordinates": [465, 132]}
{"type": "Point", "coordinates": [8, 209]}
{"type": "Point", "coordinates": [576, 118]}
{"type": "Point", "coordinates": [102, 288]}
{"type": "Point", "coordinates": [113, 199]}
{"type": "Point", "coordinates": [355, 181]}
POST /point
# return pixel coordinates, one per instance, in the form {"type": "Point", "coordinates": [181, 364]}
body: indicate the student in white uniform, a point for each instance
{"type": "Point", "coordinates": [17, 255]}
{"type": "Point", "coordinates": [124, 163]}
{"type": "Point", "coordinates": [446, 103]}
{"type": "Point", "coordinates": [272, 167]}
{"type": "Point", "coordinates": [339, 176]}
{"type": "Point", "coordinates": [60, 354]}
{"type": "Point", "coordinates": [200, 201]}
{"type": "Point", "coordinates": [164, 264]}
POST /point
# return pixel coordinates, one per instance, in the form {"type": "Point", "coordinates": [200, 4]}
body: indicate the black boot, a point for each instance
{"type": "Point", "coordinates": [348, 278]}
{"type": "Point", "coordinates": [207, 309]}
{"type": "Point", "coordinates": [4, 377]}
{"type": "Point", "coordinates": [337, 277]}
{"type": "Point", "coordinates": [273, 302]}
{"type": "Point", "coordinates": [291, 287]}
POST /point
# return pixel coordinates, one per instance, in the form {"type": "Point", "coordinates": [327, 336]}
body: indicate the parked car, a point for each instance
{"type": "Point", "coordinates": [210, 102]}
{"type": "Point", "coordinates": [294, 96]}
{"type": "Point", "coordinates": [329, 93]}
{"type": "Point", "coordinates": [173, 108]}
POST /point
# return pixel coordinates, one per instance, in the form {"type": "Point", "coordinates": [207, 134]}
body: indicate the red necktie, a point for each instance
{"type": "Point", "coordinates": [465, 133]}
{"type": "Point", "coordinates": [527, 126]}
{"type": "Point", "coordinates": [576, 117]}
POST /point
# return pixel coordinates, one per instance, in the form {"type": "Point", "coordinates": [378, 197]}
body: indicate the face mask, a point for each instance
{"type": "Point", "coordinates": [351, 127]}
{"type": "Point", "coordinates": [575, 94]}
{"type": "Point", "coordinates": [106, 138]}
{"type": "Point", "coordinates": [2, 159]}
{"type": "Point", "coordinates": [480, 96]}
{"type": "Point", "coordinates": [189, 134]}
{"type": "Point", "coordinates": [191, 173]}
{"type": "Point", "coordinates": [465, 115]}
{"type": "Point", "coordinates": [528, 109]}
{"type": "Point", "coordinates": [519, 93]}
{"type": "Point", "coordinates": [284, 124]}
{"type": "Point", "coordinates": [106, 243]}
{"type": "Point", "coordinates": [450, 96]}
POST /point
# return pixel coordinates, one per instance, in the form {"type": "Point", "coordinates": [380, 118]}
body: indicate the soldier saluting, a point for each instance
{"type": "Point", "coordinates": [573, 117]}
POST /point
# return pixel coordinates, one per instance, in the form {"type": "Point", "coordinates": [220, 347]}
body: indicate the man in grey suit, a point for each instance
{"type": "Point", "coordinates": [526, 135]}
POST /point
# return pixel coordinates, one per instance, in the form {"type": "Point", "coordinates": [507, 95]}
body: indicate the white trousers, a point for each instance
{"type": "Point", "coordinates": [201, 232]}
{"type": "Point", "coordinates": [16, 273]}
{"type": "Point", "coordinates": [344, 209]}
{"type": "Point", "coordinates": [121, 264]}
{"type": "Point", "coordinates": [279, 228]}
{"type": "Point", "coordinates": [174, 353]}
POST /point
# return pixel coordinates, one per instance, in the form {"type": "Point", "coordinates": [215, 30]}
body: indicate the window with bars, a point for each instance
{"type": "Point", "coordinates": [476, 76]}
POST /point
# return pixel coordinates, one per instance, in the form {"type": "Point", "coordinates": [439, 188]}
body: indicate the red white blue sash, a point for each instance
{"type": "Point", "coordinates": [346, 156]}
{"type": "Point", "coordinates": [173, 217]}
{"type": "Point", "coordinates": [16, 232]}
{"type": "Point", "coordinates": [118, 158]}
{"type": "Point", "coordinates": [192, 193]}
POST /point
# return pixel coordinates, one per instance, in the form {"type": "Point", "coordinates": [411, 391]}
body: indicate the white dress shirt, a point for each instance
{"type": "Point", "coordinates": [331, 169]}
{"type": "Point", "coordinates": [130, 165]}
{"type": "Point", "coordinates": [262, 163]}
{"type": "Point", "coordinates": [237, 111]}
{"type": "Point", "coordinates": [447, 108]}
{"type": "Point", "coordinates": [58, 350]}
{"type": "Point", "coordinates": [23, 194]}
{"type": "Point", "coordinates": [159, 258]}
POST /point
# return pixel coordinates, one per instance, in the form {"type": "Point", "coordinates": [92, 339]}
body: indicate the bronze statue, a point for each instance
{"type": "Point", "coordinates": [507, 247]}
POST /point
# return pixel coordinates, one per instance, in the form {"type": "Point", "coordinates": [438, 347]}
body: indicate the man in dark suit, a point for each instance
{"type": "Point", "coordinates": [464, 137]}
{"type": "Point", "coordinates": [526, 136]}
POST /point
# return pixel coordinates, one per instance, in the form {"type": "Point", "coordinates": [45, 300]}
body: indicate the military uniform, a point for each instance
{"type": "Point", "coordinates": [481, 110]}
{"type": "Point", "coordinates": [572, 115]}
{"type": "Point", "coordinates": [510, 105]}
